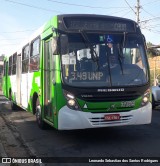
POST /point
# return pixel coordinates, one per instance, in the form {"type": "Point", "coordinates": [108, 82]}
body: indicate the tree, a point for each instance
{"type": "Point", "coordinates": [152, 50]}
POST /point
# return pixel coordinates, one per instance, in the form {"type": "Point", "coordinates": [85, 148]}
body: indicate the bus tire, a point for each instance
{"type": "Point", "coordinates": [40, 122]}
{"type": "Point", "coordinates": [13, 105]}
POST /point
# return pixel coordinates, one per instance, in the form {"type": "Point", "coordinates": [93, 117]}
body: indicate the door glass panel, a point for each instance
{"type": "Point", "coordinates": [47, 80]}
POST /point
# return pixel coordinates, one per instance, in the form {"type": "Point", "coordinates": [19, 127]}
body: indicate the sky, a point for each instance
{"type": "Point", "coordinates": [20, 18]}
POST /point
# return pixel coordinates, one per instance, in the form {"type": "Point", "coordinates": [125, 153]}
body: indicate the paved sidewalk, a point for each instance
{"type": "Point", "coordinates": [2, 149]}
{"type": "Point", "coordinates": [2, 153]}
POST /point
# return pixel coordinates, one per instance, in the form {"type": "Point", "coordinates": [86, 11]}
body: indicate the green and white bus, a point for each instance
{"type": "Point", "coordinates": [82, 71]}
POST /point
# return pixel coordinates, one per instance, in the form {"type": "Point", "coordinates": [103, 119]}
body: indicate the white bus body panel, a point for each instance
{"type": "Point", "coordinates": [71, 119]}
{"type": "Point", "coordinates": [24, 90]}
{"type": "Point", "coordinates": [26, 86]}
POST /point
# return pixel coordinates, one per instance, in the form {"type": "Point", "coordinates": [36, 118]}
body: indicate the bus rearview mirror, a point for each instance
{"type": "Point", "coordinates": [64, 44]}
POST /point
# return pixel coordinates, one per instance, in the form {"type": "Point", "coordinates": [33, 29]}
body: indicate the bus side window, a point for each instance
{"type": "Point", "coordinates": [25, 59]}
{"type": "Point", "coordinates": [35, 55]}
{"type": "Point", "coordinates": [4, 68]}
{"type": "Point", "coordinates": [10, 65]}
{"type": "Point", "coordinates": [14, 64]}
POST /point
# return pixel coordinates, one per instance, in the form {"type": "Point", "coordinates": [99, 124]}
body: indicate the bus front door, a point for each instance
{"type": "Point", "coordinates": [49, 87]}
{"type": "Point", "coordinates": [18, 78]}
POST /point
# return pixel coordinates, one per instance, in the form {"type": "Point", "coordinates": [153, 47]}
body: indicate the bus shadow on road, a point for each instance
{"type": "Point", "coordinates": [27, 121]}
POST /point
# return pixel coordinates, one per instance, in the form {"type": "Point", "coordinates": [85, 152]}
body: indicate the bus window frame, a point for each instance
{"type": "Point", "coordinates": [14, 64]}
{"type": "Point", "coordinates": [10, 65]}
{"type": "Point", "coordinates": [4, 68]}
{"type": "Point", "coordinates": [37, 56]}
{"type": "Point", "coordinates": [25, 59]}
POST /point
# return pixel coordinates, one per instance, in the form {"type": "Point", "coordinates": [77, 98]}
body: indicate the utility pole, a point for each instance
{"type": "Point", "coordinates": [138, 11]}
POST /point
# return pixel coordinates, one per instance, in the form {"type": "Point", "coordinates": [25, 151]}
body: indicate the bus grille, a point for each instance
{"type": "Point", "coordinates": [100, 121]}
{"type": "Point", "coordinates": [103, 97]}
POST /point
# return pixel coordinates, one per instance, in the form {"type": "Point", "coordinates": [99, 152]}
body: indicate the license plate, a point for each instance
{"type": "Point", "coordinates": [112, 117]}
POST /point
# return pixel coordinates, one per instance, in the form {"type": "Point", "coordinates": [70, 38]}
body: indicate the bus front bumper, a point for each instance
{"type": "Point", "coordinates": [72, 119]}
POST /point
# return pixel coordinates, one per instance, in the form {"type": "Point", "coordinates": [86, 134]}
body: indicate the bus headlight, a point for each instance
{"type": "Point", "coordinates": [71, 101]}
{"type": "Point", "coordinates": [146, 98]}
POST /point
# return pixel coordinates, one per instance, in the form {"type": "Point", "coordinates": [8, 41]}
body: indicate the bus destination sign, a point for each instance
{"type": "Point", "coordinates": [103, 25]}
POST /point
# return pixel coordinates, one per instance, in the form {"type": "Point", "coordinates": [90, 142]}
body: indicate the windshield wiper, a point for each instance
{"type": "Point", "coordinates": [93, 53]}
{"type": "Point", "coordinates": [109, 69]}
{"type": "Point", "coordinates": [120, 52]}
{"type": "Point", "coordinates": [120, 56]}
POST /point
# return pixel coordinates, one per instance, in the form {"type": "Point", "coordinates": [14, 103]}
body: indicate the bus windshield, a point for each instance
{"type": "Point", "coordinates": [103, 60]}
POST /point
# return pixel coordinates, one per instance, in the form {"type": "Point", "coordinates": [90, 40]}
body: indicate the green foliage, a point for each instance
{"type": "Point", "coordinates": [152, 52]}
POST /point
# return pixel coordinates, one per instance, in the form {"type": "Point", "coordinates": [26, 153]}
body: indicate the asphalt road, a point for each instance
{"type": "Point", "coordinates": [21, 137]}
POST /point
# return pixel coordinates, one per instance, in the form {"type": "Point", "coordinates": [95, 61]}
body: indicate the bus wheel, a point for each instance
{"type": "Point", "coordinates": [39, 119]}
{"type": "Point", "coordinates": [13, 105]}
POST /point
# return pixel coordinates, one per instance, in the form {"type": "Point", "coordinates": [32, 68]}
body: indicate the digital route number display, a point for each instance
{"type": "Point", "coordinates": [99, 24]}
